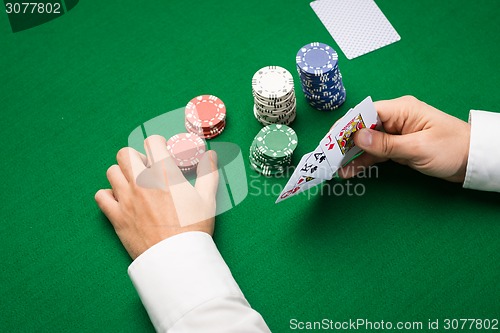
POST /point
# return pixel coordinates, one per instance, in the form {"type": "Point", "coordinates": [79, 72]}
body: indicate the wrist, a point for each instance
{"type": "Point", "coordinates": [138, 247]}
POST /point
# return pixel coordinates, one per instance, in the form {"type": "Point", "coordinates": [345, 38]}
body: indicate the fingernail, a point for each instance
{"type": "Point", "coordinates": [365, 138]}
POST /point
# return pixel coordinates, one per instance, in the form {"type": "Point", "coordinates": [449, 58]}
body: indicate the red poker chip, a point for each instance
{"type": "Point", "coordinates": [188, 170]}
{"type": "Point", "coordinates": [210, 136]}
{"type": "Point", "coordinates": [206, 129]}
{"type": "Point", "coordinates": [186, 149]}
{"type": "Point", "coordinates": [213, 134]}
{"type": "Point", "coordinates": [198, 127]}
{"type": "Point", "coordinates": [205, 111]}
{"type": "Point", "coordinates": [206, 134]}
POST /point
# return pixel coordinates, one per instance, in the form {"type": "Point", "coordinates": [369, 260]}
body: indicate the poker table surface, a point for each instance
{"type": "Point", "coordinates": [411, 248]}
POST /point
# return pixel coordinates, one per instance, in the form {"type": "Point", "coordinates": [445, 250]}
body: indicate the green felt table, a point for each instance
{"type": "Point", "coordinates": [412, 248]}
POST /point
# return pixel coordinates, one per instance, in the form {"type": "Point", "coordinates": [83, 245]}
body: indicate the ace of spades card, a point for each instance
{"type": "Point", "coordinates": [335, 150]}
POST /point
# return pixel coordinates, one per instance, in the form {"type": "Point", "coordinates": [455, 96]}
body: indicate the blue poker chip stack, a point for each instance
{"type": "Point", "coordinates": [317, 65]}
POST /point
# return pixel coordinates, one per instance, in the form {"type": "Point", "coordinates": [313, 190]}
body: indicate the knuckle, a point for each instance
{"type": "Point", "coordinates": [387, 145]}
{"type": "Point", "coordinates": [409, 98]}
{"type": "Point", "coordinates": [410, 105]}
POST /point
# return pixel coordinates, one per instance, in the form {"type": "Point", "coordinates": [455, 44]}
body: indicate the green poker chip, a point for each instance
{"type": "Point", "coordinates": [272, 148]}
{"type": "Point", "coordinates": [270, 161]}
{"type": "Point", "coordinates": [276, 141]}
{"type": "Point", "coordinates": [263, 165]}
{"type": "Point", "coordinates": [265, 170]}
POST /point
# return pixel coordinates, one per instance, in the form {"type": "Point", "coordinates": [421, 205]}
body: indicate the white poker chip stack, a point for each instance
{"type": "Point", "coordinates": [274, 96]}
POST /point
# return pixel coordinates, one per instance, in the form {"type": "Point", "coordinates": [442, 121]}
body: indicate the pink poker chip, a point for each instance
{"type": "Point", "coordinates": [186, 149]}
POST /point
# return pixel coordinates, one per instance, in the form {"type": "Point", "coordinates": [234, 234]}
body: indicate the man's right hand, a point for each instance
{"type": "Point", "coordinates": [417, 135]}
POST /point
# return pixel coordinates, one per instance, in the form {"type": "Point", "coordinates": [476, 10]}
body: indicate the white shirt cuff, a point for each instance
{"type": "Point", "coordinates": [179, 274]}
{"type": "Point", "coordinates": [483, 166]}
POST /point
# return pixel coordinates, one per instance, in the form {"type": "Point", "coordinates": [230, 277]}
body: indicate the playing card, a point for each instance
{"type": "Point", "coordinates": [316, 165]}
{"type": "Point", "coordinates": [335, 150]}
{"type": "Point", "coordinates": [307, 183]}
{"type": "Point", "coordinates": [297, 184]}
{"type": "Point", "coordinates": [338, 144]}
{"type": "Point", "coordinates": [302, 165]}
{"type": "Point", "coordinates": [370, 115]}
{"type": "Point", "coordinates": [358, 26]}
{"type": "Point", "coordinates": [292, 182]}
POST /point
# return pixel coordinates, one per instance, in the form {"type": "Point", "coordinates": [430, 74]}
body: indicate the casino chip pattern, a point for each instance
{"type": "Point", "coordinates": [205, 116]}
{"type": "Point", "coordinates": [272, 149]}
{"type": "Point", "coordinates": [320, 78]}
{"type": "Point", "coordinates": [186, 149]}
{"type": "Point", "coordinates": [274, 96]}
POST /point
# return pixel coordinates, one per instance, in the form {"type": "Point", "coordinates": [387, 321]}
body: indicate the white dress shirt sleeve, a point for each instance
{"type": "Point", "coordinates": [483, 166]}
{"type": "Point", "coordinates": [186, 286]}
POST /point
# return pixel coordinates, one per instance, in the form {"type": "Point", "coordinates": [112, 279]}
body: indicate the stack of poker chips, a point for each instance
{"type": "Point", "coordinates": [272, 149]}
{"type": "Point", "coordinates": [317, 65]}
{"type": "Point", "coordinates": [205, 116]}
{"type": "Point", "coordinates": [274, 96]}
{"type": "Point", "coordinates": [186, 150]}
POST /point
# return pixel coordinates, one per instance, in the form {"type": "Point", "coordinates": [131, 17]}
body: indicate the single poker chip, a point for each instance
{"type": "Point", "coordinates": [277, 140]}
{"type": "Point", "coordinates": [316, 58]}
{"type": "Point", "coordinates": [186, 149]}
{"type": "Point", "coordinates": [272, 82]}
{"type": "Point", "coordinates": [205, 111]}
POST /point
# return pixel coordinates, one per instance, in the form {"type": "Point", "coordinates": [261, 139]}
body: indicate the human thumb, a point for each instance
{"type": "Point", "coordinates": [384, 145]}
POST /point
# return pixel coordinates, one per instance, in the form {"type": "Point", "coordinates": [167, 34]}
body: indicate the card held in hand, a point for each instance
{"type": "Point", "coordinates": [335, 150]}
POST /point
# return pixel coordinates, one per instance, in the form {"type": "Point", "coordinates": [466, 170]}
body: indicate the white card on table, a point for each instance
{"type": "Point", "coordinates": [358, 26]}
